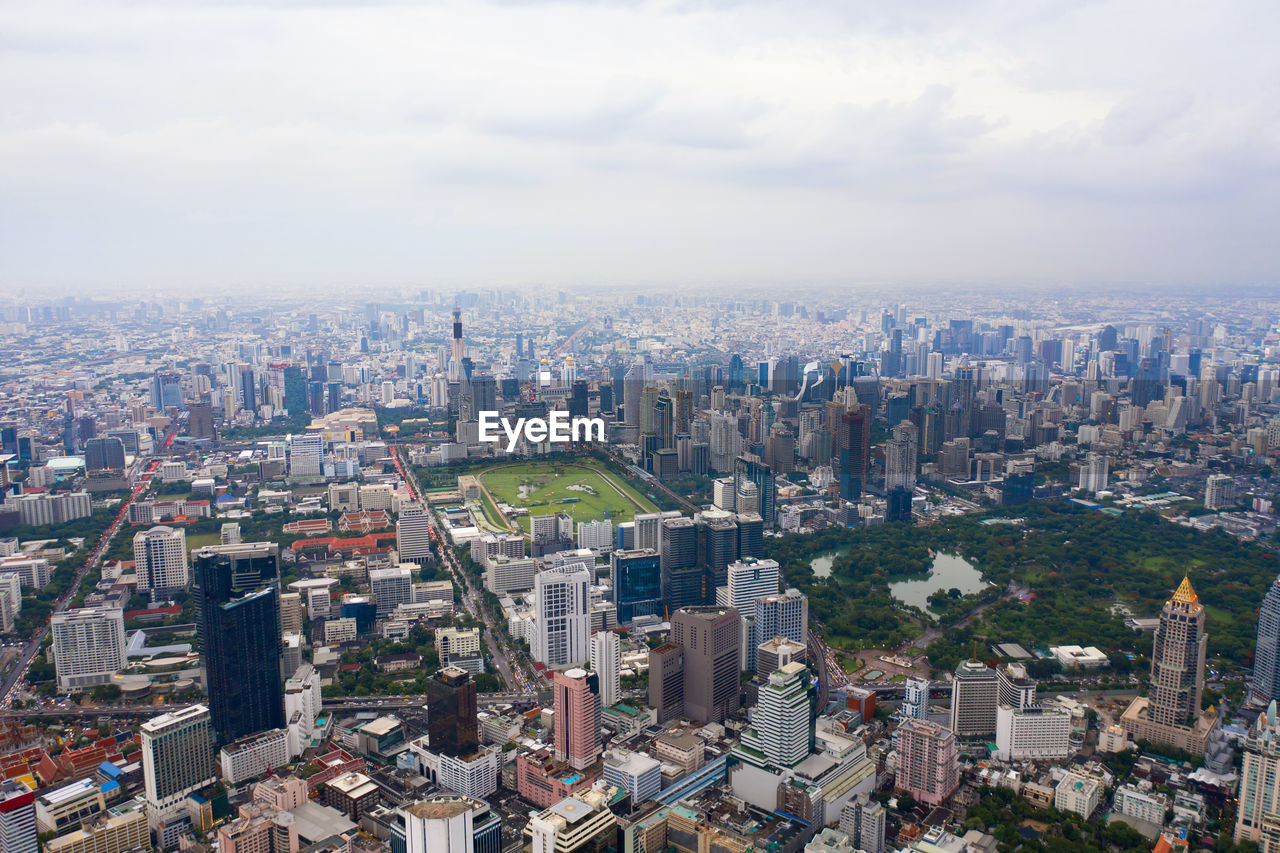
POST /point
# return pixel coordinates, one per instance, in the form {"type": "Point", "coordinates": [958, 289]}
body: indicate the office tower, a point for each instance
{"type": "Point", "coordinates": [577, 717]}
{"type": "Point", "coordinates": [291, 616]}
{"type": "Point", "coordinates": [1177, 659]}
{"type": "Point", "coordinates": [17, 817]}
{"type": "Point", "coordinates": [975, 692]}
{"type": "Point", "coordinates": [582, 823]}
{"type": "Point", "coordinates": [413, 534]}
{"type": "Point", "coordinates": [772, 655]}
{"type": "Point", "coordinates": [391, 587]}
{"type": "Point", "coordinates": [915, 701]}
{"type": "Point", "coordinates": [597, 535]}
{"type": "Point", "coordinates": [1016, 688]}
{"type": "Point", "coordinates": [666, 682]}
{"type": "Point", "coordinates": [782, 615]}
{"type": "Point", "coordinates": [648, 530]}
{"type": "Point", "coordinates": [306, 455]}
{"type": "Point", "coordinates": [900, 457]}
{"type": "Point", "coordinates": [88, 646]}
{"type": "Point", "coordinates": [748, 580]}
{"type": "Point", "coordinates": [711, 638]}
{"type": "Point", "coordinates": [717, 548]}
{"type": "Point", "coordinates": [104, 454]}
{"type": "Point", "coordinates": [749, 469]}
{"type": "Point", "coordinates": [863, 820]}
{"type": "Point", "coordinates": [928, 764]}
{"type": "Point", "coordinates": [177, 760]}
{"type": "Point", "coordinates": [1035, 733]}
{"type": "Point", "coordinates": [750, 535]}
{"type": "Point", "coordinates": [1266, 658]}
{"type": "Point", "coordinates": [1259, 797]}
{"type": "Point", "coordinates": [237, 593]}
{"type": "Point", "coordinates": [637, 584]}
{"type": "Point", "coordinates": [783, 718]}
{"type": "Point", "coordinates": [562, 624]}
{"type": "Point", "coordinates": [635, 773]}
{"type": "Point", "coordinates": [200, 420]}
{"type": "Point", "coordinates": [452, 726]}
{"type": "Point", "coordinates": [851, 444]}
{"type": "Point", "coordinates": [295, 391]}
{"type": "Point", "coordinates": [448, 823]}
{"type": "Point", "coordinates": [166, 390]}
{"type": "Point", "coordinates": [160, 558]}
{"type": "Point", "coordinates": [681, 574]}
{"type": "Point", "coordinates": [606, 663]}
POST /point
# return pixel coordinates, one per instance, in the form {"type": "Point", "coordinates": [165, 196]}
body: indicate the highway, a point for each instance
{"type": "Point", "coordinates": [29, 652]}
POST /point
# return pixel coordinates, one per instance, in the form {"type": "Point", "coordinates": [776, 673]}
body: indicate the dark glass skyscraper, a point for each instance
{"type": "Point", "coordinates": [237, 590]}
{"type": "Point", "coordinates": [452, 726]}
{"type": "Point", "coordinates": [637, 583]}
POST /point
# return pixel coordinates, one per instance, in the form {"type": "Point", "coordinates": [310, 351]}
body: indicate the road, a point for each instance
{"type": "Point", "coordinates": [520, 679]}
{"type": "Point", "coordinates": [29, 652]}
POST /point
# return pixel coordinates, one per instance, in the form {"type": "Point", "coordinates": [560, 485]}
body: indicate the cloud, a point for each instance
{"type": "Point", "coordinates": [188, 142]}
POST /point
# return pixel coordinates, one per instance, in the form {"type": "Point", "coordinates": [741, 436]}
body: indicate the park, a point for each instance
{"type": "Point", "coordinates": [584, 491]}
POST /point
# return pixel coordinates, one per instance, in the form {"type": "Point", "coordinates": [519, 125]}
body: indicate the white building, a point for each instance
{"type": "Point", "coordinates": [302, 702]}
{"type": "Point", "coordinates": [597, 535]}
{"type": "Point", "coordinates": [344, 497]}
{"type": "Point", "coordinates": [863, 820]}
{"type": "Point", "coordinates": [10, 600]}
{"type": "Point", "coordinates": [562, 624]}
{"type": "Point", "coordinates": [606, 662]}
{"type": "Point", "coordinates": [1219, 491]}
{"type": "Point", "coordinates": [634, 772]}
{"type": "Point", "coordinates": [503, 574]}
{"type": "Point", "coordinates": [254, 755]}
{"type": "Point", "coordinates": [338, 631]}
{"type": "Point", "coordinates": [413, 534]}
{"type": "Point", "coordinates": [1141, 803]}
{"type": "Point", "coordinates": [1077, 794]}
{"type": "Point", "coordinates": [316, 595]}
{"type": "Point", "coordinates": [439, 824]}
{"type": "Point", "coordinates": [474, 774]}
{"type": "Point", "coordinates": [1094, 472]}
{"type": "Point", "coordinates": [748, 580]}
{"type": "Point", "coordinates": [1036, 734]}
{"type": "Point", "coordinates": [88, 646]}
{"type": "Point", "coordinates": [160, 559]}
{"type": "Point", "coordinates": [1073, 657]}
{"type": "Point", "coordinates": [915, 701]}
{"type": "Point", "coordinates": [391, 587]}
{"type": "Point", "coordinates": [306, 455]}
{"type": "Point", "coordinates": [31, 571]}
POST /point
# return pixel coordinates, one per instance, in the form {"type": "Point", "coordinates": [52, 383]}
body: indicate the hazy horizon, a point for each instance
{"type": "Point", "coordinates": [717, 144]}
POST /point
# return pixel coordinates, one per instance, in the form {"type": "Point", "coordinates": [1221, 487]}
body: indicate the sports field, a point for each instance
{"type": "Point", "coordinates": [581, 491]}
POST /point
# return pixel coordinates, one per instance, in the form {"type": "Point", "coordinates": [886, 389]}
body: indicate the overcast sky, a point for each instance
{"type": "Point", "coordinates": [172, 144]}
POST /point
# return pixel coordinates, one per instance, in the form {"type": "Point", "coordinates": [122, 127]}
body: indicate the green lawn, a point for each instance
{"type": "Point", "coordinates": [544, 487]}
{"type": "Point", "coordinates": [199, 540]}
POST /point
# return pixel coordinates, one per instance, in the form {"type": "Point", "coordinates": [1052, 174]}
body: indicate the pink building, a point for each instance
{"type": "Point", "coordinates": [577, 707]}
{"type": "Point", "coordinates": [259, 830]}
{"type": "Point", "coordinates": [928, 764]}
{"type": "Point", "coordinates": [281, 792]}
{"type": "Point", "coordinates": [543, 781]}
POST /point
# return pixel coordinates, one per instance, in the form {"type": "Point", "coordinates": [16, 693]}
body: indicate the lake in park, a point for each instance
{"type": "Point", "coordinates": [948, 571]}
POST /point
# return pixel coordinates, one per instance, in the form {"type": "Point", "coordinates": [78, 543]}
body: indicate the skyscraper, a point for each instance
{"type": "Point", "coordinates": [562, 622]}
{"type": "Point", "coordinates": [1259, 777]}
{"type": "Point", "coordinates": [17, 817]}
{"type": "Point", "coordinates": [160, 559]}
{"type": "Point", "coordinates": [177, 760]}
{"type": "Point", "coordinates": [577, 717]}
{"type": "Point", "coordinates": [783, 717]}
{"type": "Point", "coordinates": [1266, 658]}
{"type": "Point", "coordinates": [413, 534]}
{"type": "Point", "coordinates": [637, 583]}
{"type": "Point", "coordinates": [452, 725]}
{"type": "Point", "coordinates": [900, 457]}
{"type": "Point", "coordinates": [88, 646]}
{"type": "Point", "coordinates": [1177, 660]}
{"type": "Point", "coordinates": [681, 574]}
{"type": "Point", "coordinates": [974, 695]}
{"type": "Point", "coordinates": [606, 662]}
{"type": "Point", "coordinates": [666, 681]}
{"type": "Point", "coordinates": [863, 820]}
{"type": "Point", "coordinates": [749, 468]}
{"type": "Point", "coordinates": [710, 638]}
{"type": "Point", "coordinates": [237, 594]}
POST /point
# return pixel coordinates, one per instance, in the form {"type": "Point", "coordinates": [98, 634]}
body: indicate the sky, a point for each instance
{"type": "Point", "coordinates": [177, 145]}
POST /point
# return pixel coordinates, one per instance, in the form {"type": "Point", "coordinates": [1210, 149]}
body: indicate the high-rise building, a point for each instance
{"type": "Point", "coordinates": [637, 583]}
{"type": "Point", "coordinates": [749, 468]}
{"type": "Point", "coordinates": [577, 717]}
{"type": "Point", "coordinates": [915, 702]}
{"type": "Point", "coordinates": [1032, 734]}
{"type": "Point", "coordinates": [413, 534]}
{"type": "Point", "coordinates": [666, 681]}
{"type": "Point", "coordinates": [1177, 660]}
{"type": "Point", "coordinates": [1094, 472]}
{"type": "Point", "coordinates": [160, 558]}
{"type": "Point", "coordinates": [717, 533]}
{"type": "Point", "coordinates": [177, 760]}
{"type": "Point", "coordinates": [1219, 491]}
{"type": "Point", "coordinates": [88, 646]}
{"type": "Point", "coordinates": [562, 621]}
{"type": "Point", "coordinates": [975, 692]}
{"type": "Point", "coordinates": [928, 762]}
{"type": "Point", "coordinates": [306, 455]}
{"type": "Point", "coordinates": [582, 823]}
{"type": "Point", "coordinates": [748, 580]}
{"type": "Point", "coordinates": [634, 772]}
{"type": "Point", "coordinates": [104, 454]}
{"type": "Point", "coordinates": [711, 638]}
{"type": "Point", "coordinates": [1259, 795]}
{"type": "Point", "coordinates": [606, 662]}
{"type": "Point", "coordinates": [863, 820]}
{"type": "Point", "coordinates": [852, 445]}
{"type": "Point", "coordinates": [448, 823]}
{"type": "Point", "coordinates": [783, 717]}
{"type": "Point", "coordinates": [391, 587]}
{"type": "Point", "coordinates": [781, 615]}
{"type": "Point", "coordinates": [900, 457]}
{"type": "Point", "coordinates": [1266, 658]}
{"type": "Point", "coordinates": [17, 817]}
{"type": "Point", "coordinates": [452, 725]}
{"type": "Point", "coordinates": [1017, 689]}
{"type": "Point", "coordinates": [682, 575]}
{"type": "Point", "coordinates": [237, 594]}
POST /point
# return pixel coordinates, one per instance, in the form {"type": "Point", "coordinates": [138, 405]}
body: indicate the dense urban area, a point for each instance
{"type": "Point", "coordinates": [841, 572]}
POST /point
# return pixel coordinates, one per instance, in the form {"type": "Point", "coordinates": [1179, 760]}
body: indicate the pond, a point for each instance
{"type": "Point", "coordinates": [947, 572]}
{"type": "Point", "coordinates": [821, 565]}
